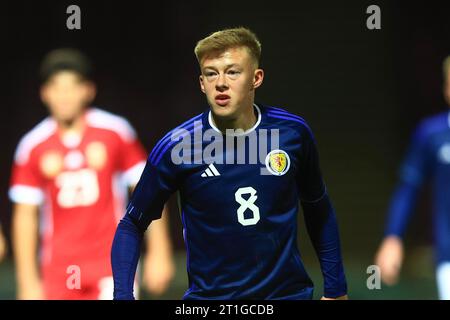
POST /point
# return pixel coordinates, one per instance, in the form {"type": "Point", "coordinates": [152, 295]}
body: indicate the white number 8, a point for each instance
{"type": "Point", "coordinates": [247, 204]}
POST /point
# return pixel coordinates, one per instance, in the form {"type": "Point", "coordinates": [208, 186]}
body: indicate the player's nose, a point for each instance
{"type": "Point", "coordinates": [221, 84]}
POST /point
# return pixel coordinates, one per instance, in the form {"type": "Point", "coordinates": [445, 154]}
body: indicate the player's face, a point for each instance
{"type": "Point", "coordinates": [66, 95]}
{"type": "Point", "coordinates": [229, 80]}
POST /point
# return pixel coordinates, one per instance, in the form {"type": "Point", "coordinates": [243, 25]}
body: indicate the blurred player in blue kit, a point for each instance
{"type": "Point", "coordinates": [239, 220]}
{"type": "Point", "coordinates": [427, 159]}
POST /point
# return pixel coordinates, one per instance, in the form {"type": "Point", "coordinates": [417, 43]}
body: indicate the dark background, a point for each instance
{"type": "Point", "coordinates": [362, 91]}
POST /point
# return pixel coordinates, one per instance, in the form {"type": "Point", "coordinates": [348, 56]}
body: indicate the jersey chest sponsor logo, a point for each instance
{"type": "Point", "coordinates": [278, 162]}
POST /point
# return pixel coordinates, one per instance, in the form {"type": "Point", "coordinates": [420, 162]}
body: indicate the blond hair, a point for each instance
{"type": "Point", "coordinates": [222, 40]}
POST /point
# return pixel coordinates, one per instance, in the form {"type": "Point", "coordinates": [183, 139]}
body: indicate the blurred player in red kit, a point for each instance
{"type": "Point", "coordinates": [70, 179]}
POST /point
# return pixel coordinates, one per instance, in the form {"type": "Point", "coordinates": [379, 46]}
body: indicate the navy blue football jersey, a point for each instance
{"type": "Point", "coordinates": [239, 199]}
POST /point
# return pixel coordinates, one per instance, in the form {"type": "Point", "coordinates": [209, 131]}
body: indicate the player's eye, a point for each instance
{"type": "Point", "coordinates": [233, 74]}
{"type": "Point", "coordinates": [210, 75]}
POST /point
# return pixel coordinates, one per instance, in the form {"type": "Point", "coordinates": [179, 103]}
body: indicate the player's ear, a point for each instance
{"type": "Point", "coordinates": [43, 92]}
{"type": "Point", "coordinates": [91, 91]}
{"type": "Point", "coordinates": [202, 85]}
{"type": "Point", "coordinates": [258, 78]}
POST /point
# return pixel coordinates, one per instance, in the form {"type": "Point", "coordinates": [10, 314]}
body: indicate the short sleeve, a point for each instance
{"type": "Point", "coordinates": [131, 155]}
{"type": "Point", "coordinates": [26, 185]}
{"type": "Point", "coordinates": [132, 161]}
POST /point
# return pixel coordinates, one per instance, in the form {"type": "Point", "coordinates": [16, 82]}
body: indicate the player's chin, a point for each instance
{"type": "Point", "coordinates": [66, 115]}
{"type": "Point", "coordinates": [223, 111]}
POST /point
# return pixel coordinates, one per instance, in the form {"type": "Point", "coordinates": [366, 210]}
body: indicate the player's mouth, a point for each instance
{"type": "Point", "coordinates": [222, 99]}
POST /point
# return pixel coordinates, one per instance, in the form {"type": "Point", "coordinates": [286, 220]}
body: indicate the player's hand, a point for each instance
{"type": "Point", "coordinates": [389, 258]}
{"type": "Point", "coordinates": [345, 297]}
{"type": "Point", "coordinates": [2, 246]}
{"type": "Point", "coordinates": [158, 273]}
{"type": "Point", "coordinates": [32, 290]}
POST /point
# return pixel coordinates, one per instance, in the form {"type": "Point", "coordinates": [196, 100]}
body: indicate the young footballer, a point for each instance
{"type": "Point", "coordinates": [427, 159]}
{"type": "Point", "coordinates": [239, 215]}
{"type": "Point", "coordinates": [69, 185]}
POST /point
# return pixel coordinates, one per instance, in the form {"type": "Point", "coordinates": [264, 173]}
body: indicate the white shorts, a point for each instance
{"type": "Point", "coordinates": [443, 280]}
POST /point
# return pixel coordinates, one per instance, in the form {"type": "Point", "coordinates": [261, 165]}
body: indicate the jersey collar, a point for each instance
{"type": "Point", "coordinates": [211, 123]}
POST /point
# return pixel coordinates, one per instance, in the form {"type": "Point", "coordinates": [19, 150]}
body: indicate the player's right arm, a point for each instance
{"type": "Point", "coordinates": [414, 170]}
{"type": "Point", "coordinates": [26, 193]}
{"type": "Point", "coordinates": [154, 188]}
{"type": "Point", "coordinates": [25, 245]}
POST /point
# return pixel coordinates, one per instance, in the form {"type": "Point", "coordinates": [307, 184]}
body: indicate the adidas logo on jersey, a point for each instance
{"type": "Point", "coordinates": [211, 171]}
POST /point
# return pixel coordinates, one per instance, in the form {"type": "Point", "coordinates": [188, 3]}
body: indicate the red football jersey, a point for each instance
{"type": "Point", "coordinates": [81, 183]}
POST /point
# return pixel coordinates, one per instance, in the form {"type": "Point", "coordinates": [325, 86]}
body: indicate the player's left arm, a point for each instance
{"type": "Point", "coordinates": [415, 170]}
{"type": "Point", "coordinates": [320, 218]}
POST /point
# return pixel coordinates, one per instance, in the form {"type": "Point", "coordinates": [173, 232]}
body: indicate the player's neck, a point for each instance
{"type": "Point", "coordinates": [244, 121]}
